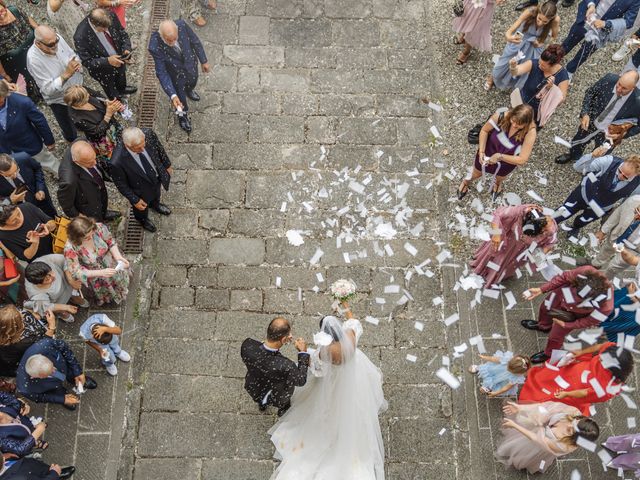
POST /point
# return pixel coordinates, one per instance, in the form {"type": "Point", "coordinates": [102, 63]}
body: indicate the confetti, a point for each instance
{"type": "Point", "coordinates": [418, 326]}
{"type": "Point", "coordinates": [446, 376]}
{"type": "Point", "coordinates": [412, 358]}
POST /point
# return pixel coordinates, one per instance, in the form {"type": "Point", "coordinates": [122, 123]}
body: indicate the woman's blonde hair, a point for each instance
{"type": "Point", "coordinates": [522, 115]}
{"type": "Point", "coordinates": [79, 228]}
{"type": "Point", "coordinates": [11, 324]}
{"type": "Point", "coordinates": [75, 95]}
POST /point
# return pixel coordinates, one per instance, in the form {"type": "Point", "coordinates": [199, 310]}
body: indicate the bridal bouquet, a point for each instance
{"type": "Point", "coordinates": [343, 290]}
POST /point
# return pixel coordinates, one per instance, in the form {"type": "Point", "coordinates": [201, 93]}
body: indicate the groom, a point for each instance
{"type": "Point", "coordinates": [271, 377]}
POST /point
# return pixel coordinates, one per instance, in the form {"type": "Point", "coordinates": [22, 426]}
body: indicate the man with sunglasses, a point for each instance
{"type": "Point", "coordinates": [55, 67]}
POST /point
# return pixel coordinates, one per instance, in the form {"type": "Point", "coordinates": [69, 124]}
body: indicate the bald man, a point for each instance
{"type": "Point", "coordinates": [177, 51]}
{"type": "Point", "coordinates": [55, 67]}
{"type": "Point", "coordinates": [81, 188]}
{"type": "Point", "coordinates": [611, 100]}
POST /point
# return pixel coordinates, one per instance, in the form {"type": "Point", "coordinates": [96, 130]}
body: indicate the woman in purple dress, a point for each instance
{"type": "Point", "coordinates": [627, 450]}
{"type": "Point", "coordinates": [505, 142]}
{"type": "Point", "coordinates": [514, 230]}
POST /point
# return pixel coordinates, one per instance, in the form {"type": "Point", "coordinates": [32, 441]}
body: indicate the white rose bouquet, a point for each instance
{"type": "Point", "coordinates": [343, 290]}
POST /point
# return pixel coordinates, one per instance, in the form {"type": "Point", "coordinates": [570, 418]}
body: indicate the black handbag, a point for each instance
{"type": "Point", "coordinates": [458, 8]}
{"type": "Point", "coordinates": [473, 137]}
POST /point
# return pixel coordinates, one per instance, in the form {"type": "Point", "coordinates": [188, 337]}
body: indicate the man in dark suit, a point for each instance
{"type": "Point", "coordinates": [104, 48]}
{"type": "Point", "coordinates": [272, 377]}
{"type": "Point", "coordinates": [610, 99]}
{"type": "Point", "coordinates": [139, 167]}
{"type": "Point", "coordinates": [15, 468]}
{"type": "Point", "coordinates": [22, 179]}
{"type": "Point", "coordinates": [81, 187]}
{"type": "Point", "coordinates": [176, 52]}
{"type": "Point", "coordinates": [44, 368]}
{"type": "Point", "coordinates": [23, 128]}
{"type": "Point", "coordinates": [600, 15]}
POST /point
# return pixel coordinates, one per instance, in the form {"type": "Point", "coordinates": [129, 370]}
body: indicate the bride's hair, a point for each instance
{"type": "Point", "coordinates": [326, 327]}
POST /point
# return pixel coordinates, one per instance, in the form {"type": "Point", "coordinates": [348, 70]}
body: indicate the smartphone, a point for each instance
{"type": "Point", "coordinates": [22, 188]}
{"type": "Point", "coordinates": [39, 228]}
{"type": "Point", "coordinates": [128, 55]}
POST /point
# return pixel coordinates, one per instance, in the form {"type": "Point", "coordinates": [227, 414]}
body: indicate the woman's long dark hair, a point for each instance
{"type": "Point", "coordinates": [533, 223]}
{"type": "Point", "coordinates": [598, 284]}
{"type": "Point", "coordinates": [548, 9]}
{"type": "Point", "coordinates": [623, 369]}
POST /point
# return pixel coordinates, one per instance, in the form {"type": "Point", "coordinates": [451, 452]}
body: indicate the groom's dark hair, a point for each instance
{"type": "Point", "coordinates": [278, 329]}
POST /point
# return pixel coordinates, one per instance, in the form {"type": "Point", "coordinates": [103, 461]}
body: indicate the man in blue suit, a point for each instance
{"type": "Point", "coordinates": [43, 370]}
{"type": "Point", "coordinates": [601, 15]}
{"type": "Point", "coordinates": [176, 51]}
{"type": "Point", "coordinates": [23, 128]}
{"type": "Point", "coordinates": [22, 180]}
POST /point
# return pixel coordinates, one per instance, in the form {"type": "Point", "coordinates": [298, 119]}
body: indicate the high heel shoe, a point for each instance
{"type": "Point", "coordinates": [495, 195]}
{"type": "Point", "coordinates": [463, 189]}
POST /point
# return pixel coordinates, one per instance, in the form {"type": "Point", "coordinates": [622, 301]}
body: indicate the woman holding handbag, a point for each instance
{"type": "Point", "coordinates": [473, 27]}
{"type": "Point", "coordinates": [26, 231]}
{"type": "Point", "coordinates": [505, 142]}
{"type": "Point", "coordinates": [11, 279]}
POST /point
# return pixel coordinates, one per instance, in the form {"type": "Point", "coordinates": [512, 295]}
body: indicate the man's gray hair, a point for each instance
{"type": "Point", "coordinates": [38, 366]}
{"type": "Point", "coordinates": [6, 162]}
{"type": "Point", "coordinates": [132, 136]}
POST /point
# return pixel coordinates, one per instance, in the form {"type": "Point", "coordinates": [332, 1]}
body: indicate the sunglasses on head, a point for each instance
{"type": "Point", "coordinates": [52, 44]}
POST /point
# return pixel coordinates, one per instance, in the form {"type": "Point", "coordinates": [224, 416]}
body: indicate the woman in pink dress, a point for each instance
{"type": "Point", "coordinates": [514, 230]}
{"type": "Point", "coordinates": [473, 28]}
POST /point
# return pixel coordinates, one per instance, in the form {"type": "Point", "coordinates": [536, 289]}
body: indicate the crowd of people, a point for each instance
{"type": "Point", "coordinates": [557, 388]}
{"type": "Point", "coordinates": [61, 256]}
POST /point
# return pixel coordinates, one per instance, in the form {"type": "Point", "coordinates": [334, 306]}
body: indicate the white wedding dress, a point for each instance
{"type": "Point", "coordinates": [331, 431]}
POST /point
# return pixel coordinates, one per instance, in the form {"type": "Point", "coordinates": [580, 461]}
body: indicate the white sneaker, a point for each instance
{"type": "Point", "coordinates": [112, 370]}
{"type": "Point", "coordinates": [621, 53]}
{"type": "Point", "coordinates": [68, 319]}
{"type": "Point", "coordinates": [123, 356]}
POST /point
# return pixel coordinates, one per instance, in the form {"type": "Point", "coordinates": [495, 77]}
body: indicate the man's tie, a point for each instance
{"type": "Point", "coordinates": [109, 38]}
{"type": "Point", "coordinates": [177, 49]}
{"type": "Point", "coordinates": [97, 177]}
{"type": "Point", "coordinates": [148, 168]}
{"type": "Point", "coordinates": [608, 109]}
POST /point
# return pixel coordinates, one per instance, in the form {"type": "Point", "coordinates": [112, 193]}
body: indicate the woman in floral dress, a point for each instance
{"type": "Point", "coordinates": [91, 255]}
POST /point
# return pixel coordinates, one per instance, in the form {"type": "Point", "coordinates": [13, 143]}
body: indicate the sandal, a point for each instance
{"type": "Point", "coordinates": [462, 58]}
{"type": "Point", "coordinates": [474, 369]}
{"type": "Point", "coordinates": [458, 39]}
{"type": "Point", "coordinates": [485, 390]}
{"type": "Point", "coordinates": [42, 445]}
{"type": "Point", "coordinates": [495, 194]}
{"type": "Point", "coordinates": [488, 84]}
{"type": "Point", "coordinates": [34, 2]}
{"type": "Point", "coordinates": [463, 189]}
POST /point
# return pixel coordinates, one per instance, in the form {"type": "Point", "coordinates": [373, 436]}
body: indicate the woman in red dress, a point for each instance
{"type": "Point", "coordinates": [596, 375]}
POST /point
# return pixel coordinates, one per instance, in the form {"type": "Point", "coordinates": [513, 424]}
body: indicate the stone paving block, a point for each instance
{"type": "Point", "coordinates": [256, 223]}
{"type": "Point", "coordinates": [167, 468]}
{"type": "Point", "coordinates": [320, 130]}
{"type": "Point", "coordinates": [216, 128]}
{"type": "Point", "coordinates": [418, 439]}
{"type": "Point", "coordinates": [190, 156]}
{"type": "Point", "coordinates": [421, 471]}
{"type": "Point", "coordinates": [187, 435]}
{"type": "Point", "coordinates": [249, 300]}
{"type": "Point", "coordinates": [282, 301]}
{"type": "Point", "coordinates": [234, 251]}
{"type": "Point", "coordinates": [360, 275]}
{"type": "Point", "coordinates": [281, 129]}
{"type": "Point", "coordinates": [220, 29]}
{"type": "Point", "coordinates": [397, 369]}
{"type": "Point", "coordinates": [331, 104]}
{"type": "Point", "coordinates": [59, 423]}
{"type": "Point", "coordinates": [298, 57]}
{"type": "Point", "coordinates": [293, 277]}
{"type": "Point", "coordinates": [215, 299]}
{"type": "Point", "coordinates": [238, 156]}
{"type": "Point", "coordinates": [274, 8]}
{"type": "Point", "coordinates": [352, 9]}
{"type": "Point", "coordinates": [250, 103]}
{"type": "Point", "coordinates": [214, 220]}
{"type": "Point", "coordinates": [254, 55]}
{"type": "Point", "coordinates": [181, 253]}
{"type": "Point", "coordinates": [243, 277]}
{"type": "Point", "coordinates": [221, 79]}
{"type": "Point", "coordinates": [92, 464]}
{"type": "Point", "coordinates": [232, 8]}
{"type": "Point", "coordinates": [203, 276]}
{"type": "Point", "coordinates": [248, 79]}
{"type": "Point", "coordinates": [412, 59]}
{"type": "Point", "coordinates": [299, 104]}
{"type": "Point", "coordinates": [356, 33]}
{"type": "Point", "coordinates": [301, 32]}
{"type": "Point", "coordinates": [236, 326]}
{"type": "Point", "coordinates": [212, 189]}
{"type": "Point", "coordinates": [181, 223]}
{"type": "Point", "coordinates": [182, 356]}
{"type": "Point", "coordinates": [95, 413]}
{"type": "Point", "coordinates": [252, 443]}
{"type": "Point", "coordinates": [362, 58]}
{"type": "Point", "coordinates": [180, 323]}
{"type": "Point", "coordinates": [267, 191]}
{"type": "Point", "coordinates": [254, 30]}
{"type": "Point", "coordinates": [407, 401]}
{"type": "Point", "coordinates": [299, 156]}
{"type": "Point", "coordinates": [176, 296]}
{"type": "Point", "coordinates": [337, 81]}
{"type": "Point", "coordinates": [171, 275]}
{"type": "Point", "coordinates": [236, 469]}
{"type": "Point", "coordinates": [401, 106]}
{"type": "Point", "coordinates": [364, 131]}
{"type": "Point", "coordinates": [402, 34]}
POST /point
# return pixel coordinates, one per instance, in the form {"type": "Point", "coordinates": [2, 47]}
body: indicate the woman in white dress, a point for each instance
{"type": "Point", "coordinates": [331, 431]}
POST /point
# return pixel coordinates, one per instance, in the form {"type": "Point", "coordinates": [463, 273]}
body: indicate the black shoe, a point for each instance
{"type": "Point", "coordinates": [526, 4]}
{"type": "Point", "coordinates": [193, 95]}
{"type": "Point", "coordinates": [128, 90]}
{"type": "Point", "coordinates": [148, 225]}
{"type": "Point", "coordinates": [564, 158]}
{"type": "Point", "coordinates": [162, 209]}
{"type": "Point", "coordinates": [90, 383]}
{"type": "Point", "coordinates": [262, 408]}
{"type": "Point", "coordinates": [185, 123]}
{"type": "Point", "coordinates": [574, 232]}
{"type": "Point", "coordinates": [567, 3]}
{"type": "Point", "coordinates": [71, 408]}
{"type": "Point", "coordinates": [533, 325]}
{"type": "Point", "coordinates": [539, 357]}
{"type": "Point", "coordinates": [283, 410]}
{"type": "Point", "coordinates": [67, 472]}
{"type": "Point", "coordinates": [111, 215]}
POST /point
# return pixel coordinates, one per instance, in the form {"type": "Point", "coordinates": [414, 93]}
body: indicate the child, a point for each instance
{"type": "Point", "coordinates": [101, 334]}
{"type": "Point", "coordinates": [502, 373]}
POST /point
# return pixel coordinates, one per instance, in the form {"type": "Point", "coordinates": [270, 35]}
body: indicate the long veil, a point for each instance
{"type": "Point", "coordinates": [332, 430]}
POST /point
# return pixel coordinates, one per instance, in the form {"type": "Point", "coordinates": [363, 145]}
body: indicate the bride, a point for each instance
{"type": "Point", "coordinates": [331, 431]}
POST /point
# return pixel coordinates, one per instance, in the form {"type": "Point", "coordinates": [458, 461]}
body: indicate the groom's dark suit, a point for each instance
{"type": "Point", "coordinates": [272, 377]}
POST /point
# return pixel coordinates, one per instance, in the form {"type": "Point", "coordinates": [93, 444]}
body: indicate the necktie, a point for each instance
{"type": "Point", "coordinates": [607, 110]}
{"type": "Point", "coordinates": [627, 233]}
{"type": "Point", "coordinates": [109, 38]}
{"type": "Point", "coordinates": [177, 48]}
{"type": "Point", "coordinates": [97, 177]}
{"type": "Point", "coordinates": [148, 168]}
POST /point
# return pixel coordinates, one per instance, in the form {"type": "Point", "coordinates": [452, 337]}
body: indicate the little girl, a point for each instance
{"type": "Point", "coordinates": [502, 373]}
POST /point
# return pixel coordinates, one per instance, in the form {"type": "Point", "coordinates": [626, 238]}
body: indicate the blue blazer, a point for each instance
{"type": "Point", "coordinates": [172, 68]}
{"type": "Point", "coordinates": [627, 9]}
{"type": "Point", "coordinates": [26, 128]}
{"type": "Point", "coordinates": [31, 173]}
{"type": "Point", "coordinates": [48, 390]}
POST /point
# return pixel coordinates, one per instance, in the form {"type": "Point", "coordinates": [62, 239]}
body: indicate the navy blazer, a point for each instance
{"type": "Point", "coordinates": [91, 52]}
{"type": "Point", "coordinates": [30, 469]}
{"type": "Point", "coordinates": [171, 68]}
{"type": "Point", "coordinates": [133, 182]}
{"type": "Point", "coordinates": [627, 9]}
{"type": "Point", "coordinates": [27, 128]}
{"type": "Point", "coordinates": [598, 96]}
{"type": "Point", "coordinates": [31, 173]}
{"type": "Point", "coordinates": [49, 390]}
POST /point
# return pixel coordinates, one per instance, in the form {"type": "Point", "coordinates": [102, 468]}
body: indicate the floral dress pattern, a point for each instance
{"type": "Point", "coordinates": [79, 260]}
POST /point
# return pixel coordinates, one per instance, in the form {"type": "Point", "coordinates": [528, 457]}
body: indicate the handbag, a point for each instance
{"type": "Point", "coordinates": [60, 234]}
{"type": "Point", "coordinates": [458, 8]}
{"type": "Point", "coordinates": [10, 269]}
{"type": "Point", "coordinates": [562, 315]}
{"type": "Point", "coordinates": [473, 137]}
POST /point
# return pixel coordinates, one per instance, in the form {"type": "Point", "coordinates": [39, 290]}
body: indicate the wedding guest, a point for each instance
{"type": "Point", "coordinates": [525, 39]}
{"type": "Point", "coordinates": [582, 296]}
{"type": "Point", "coordinates": [66, 15]}
{"type": "Point", "coordinates": [623, 318]}
{"type": "Point", "coordinates": [25, 230]}
{"type": "Point", "coordinates": [627, 450]}
{"type": "Point", "coordinates": [11, 282]}
{"type": "Point", "coordinates": [22, 180]}
{"type": "Point", "coordinates": [103, 336]}
{"type": "Point", "coordinates": [501, 373]}
{"type": "Point", "coordinates": [55, 67]}
{"type": "Point", "coordinates": [271, 377]}
{"type": "Point", "coordinates": [16, 36]}
{"type": "Point", "coordinates": [19, 329]}
{"type": "Point", "coordinates": [622, 226]}
{"type": "Point", "coordinates": [473, 28]}
{"type": "Point", "coordinates": [97, 118]}
{"type": "Point", "coordinates": [51, 288]}
{"type": "Point", "coordinates": [195, 10]}
{"type": "Point", "coordinates": [596, 374]}
{"type": "Point", "coordinates": [92, 256]}
{"type": "Point", "coordinates": [18, 435]}
{"type": "Point", "coordinates": [514, 230]}
{"type": "Point", "coordinates": [19, 469]}
{"type": "Point", "coordinates": [119, 7]}
{"type": "Point", "coordinates": [43, 370]}
{"type": "Point", "coordinates": [611, 99]}
{"type": "Point", "coordinates": [533, 436]}
{"type": "Point", "coordinates": [506, 141]}
{"type": "Point", "coordinates": [615, 179]}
